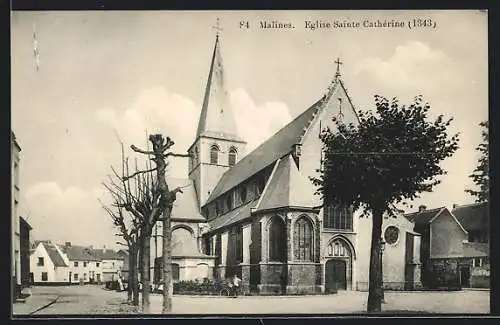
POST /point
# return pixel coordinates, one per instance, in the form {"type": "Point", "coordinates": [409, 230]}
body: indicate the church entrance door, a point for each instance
{"type": "Point", "coordinates": [335, 275]}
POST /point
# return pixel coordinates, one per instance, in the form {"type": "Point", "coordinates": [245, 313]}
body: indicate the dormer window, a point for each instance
{"type": "Point", "coordinates": [229, 202]}
{"type": "Point", "coordinates": [243, 194]}
{"type": "Point", "coordinates": [261, 183]}
{"type": "Point", "coordinates": [214, 154]}
{"type": "Point", "coordinates": [232, 156]}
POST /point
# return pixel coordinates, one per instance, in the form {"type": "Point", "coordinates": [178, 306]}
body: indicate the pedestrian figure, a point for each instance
{"type": "Point", "coordinates": [236, 285]}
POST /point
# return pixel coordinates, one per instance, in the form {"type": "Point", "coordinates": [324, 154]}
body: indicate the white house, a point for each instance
{"type": "Point", "coordinates": [47, 264]}
{"type": "Point", "coordinates": [84, 265]}
{"type": "Point", "coordinates": [112, 263]}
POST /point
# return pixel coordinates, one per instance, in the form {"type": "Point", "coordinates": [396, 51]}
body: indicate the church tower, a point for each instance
{"type": "Point", "coordinates": [217, 146]}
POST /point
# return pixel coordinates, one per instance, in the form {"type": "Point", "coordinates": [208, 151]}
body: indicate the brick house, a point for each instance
{"type": "Point", "coordinates": [475, 219]}
{"type": "Point", "coordinates": [445, 248]}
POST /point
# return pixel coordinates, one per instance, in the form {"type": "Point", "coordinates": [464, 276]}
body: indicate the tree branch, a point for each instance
{"type": "Point", "coordinates": [138, 173]}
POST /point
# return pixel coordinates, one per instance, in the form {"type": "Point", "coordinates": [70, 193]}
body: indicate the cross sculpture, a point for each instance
{"type": "Point", "coordinates": [338, 62]}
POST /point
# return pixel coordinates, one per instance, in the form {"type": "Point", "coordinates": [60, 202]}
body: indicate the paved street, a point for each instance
{"type": "Point", "coordinates": [96, 300]}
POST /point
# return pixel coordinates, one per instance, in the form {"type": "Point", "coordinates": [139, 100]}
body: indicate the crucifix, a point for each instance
{"type": "Point", "coordinates": [217, 27]}
{"type": "Point", "coordinates": [338, 62]}
{"type": "Point", "coordinates": [341, 115]}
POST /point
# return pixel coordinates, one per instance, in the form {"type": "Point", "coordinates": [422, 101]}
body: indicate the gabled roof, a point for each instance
{"type": "Point", "coordinates": [428, 216]}
{"type": "Point", "coordinates": [277, 146]}
{"type": "Point", "coordinates": [107, 254]}
{"type": "Point", "coordinates": [54, 254]}
{"type": "Point", "coordinates": [25, 223]}
{"type": "Point", "coordinates": [186, 203]}
{"type": "Point", "coordinates": [476, 250]}
{"type": "Point", "coordinates": [287, 187]}
{"type": "Point", "coordinates": [79, 253]}
{"type": "Point", "coordinates": [424, 217]}
{"type": "Point", "coordinates": [473, 216]}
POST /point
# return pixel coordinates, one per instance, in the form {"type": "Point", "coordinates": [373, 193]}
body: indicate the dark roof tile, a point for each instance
{"type": "Point", "coordinates": [473, 216]}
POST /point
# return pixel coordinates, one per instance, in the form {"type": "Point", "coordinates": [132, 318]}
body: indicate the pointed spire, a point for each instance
{"type": "Point", "coordinates": [216, 115]}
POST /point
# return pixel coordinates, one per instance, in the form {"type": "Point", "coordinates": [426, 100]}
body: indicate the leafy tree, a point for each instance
{"type": "Point", "coordinates": [392, 155]}
{"type": "Point", "coordinates": [480, 175]}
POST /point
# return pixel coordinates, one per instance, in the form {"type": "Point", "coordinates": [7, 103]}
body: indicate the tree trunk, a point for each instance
{"type": "Point", "coordinates": [167, 262]}
{"type": "Point", "coordinates": [130, 274]}
{"type": "Point", "coordinates": [145, 243]}
{"type": "Point", "coordinates": [375, 283]}
{"type": "Point", "coordinates": [135, 282]}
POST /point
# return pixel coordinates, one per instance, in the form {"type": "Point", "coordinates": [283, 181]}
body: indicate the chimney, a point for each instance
{"type": "Point", "coordinates": [422, 208]}
{"type": "Point", "coordinates": [455, 205]}
{"type": "Point", "coordinates": [67, 244]}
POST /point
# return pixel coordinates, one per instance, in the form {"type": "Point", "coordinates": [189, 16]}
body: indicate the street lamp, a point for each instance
{"type": "Point", "coordinates": [382, 248]}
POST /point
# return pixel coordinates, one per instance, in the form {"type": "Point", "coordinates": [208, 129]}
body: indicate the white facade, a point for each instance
{"type": "Point", "coordinates": [43, 269]}
{"type": "Point", "coordinates": [111, 269]}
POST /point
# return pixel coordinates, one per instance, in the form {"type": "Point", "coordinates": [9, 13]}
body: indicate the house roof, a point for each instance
{"type": "Point", "coordinates": [233, 216]}
{"type": "Point", "coordinates": [277, 146]}
{"type": "Point", "coordinates": [107, 254]}
{"type": "Point", "coordinates": [79, 253]}
{"type": "Point", "coordinates": [476, 250]}
{"type": "Point", "coordinates": [287, 187]}
{"type": "Point", "coordinates": [424, 217]}
{"type": "Point", "coordinates": [428, 216]}
{"type": "Point", "coordinates": [186, 203]}
{"type": "Point", "coordinates": [25, 223]}
{"type": "Point", "coordinates": [473, 216]}
{"type": "Point", "coordinates": [54, 254]}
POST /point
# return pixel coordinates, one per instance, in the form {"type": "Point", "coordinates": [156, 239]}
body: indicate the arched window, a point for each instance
{"type": "Point", "coordinates": [214, 154]}
{"type": "Point", "coordinates": [303, 240]}
{"type": "Point", "coordinates": [232, 156]}
{"type": "Point", "coordinates": [277, 240]}
{"type": "Point", "coordinates": [339, 248]}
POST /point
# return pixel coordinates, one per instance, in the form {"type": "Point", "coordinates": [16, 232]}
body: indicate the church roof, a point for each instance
{"type": "Point", "coordinates": [277, 146]}
{"type": "Point", "coordinates": [216, 118]}
{"type": "Point", "coordinates": [186, 203]}
{"type": "Point", "coordinates": [287, 187]}
{"type": "Point", "coordinates": [233, 216]}
{"type": "Point", "coordinates": [473, 216]}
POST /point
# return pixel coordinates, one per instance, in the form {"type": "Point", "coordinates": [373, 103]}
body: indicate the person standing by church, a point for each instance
{"type": "Point", "coordinates": [236, 285]}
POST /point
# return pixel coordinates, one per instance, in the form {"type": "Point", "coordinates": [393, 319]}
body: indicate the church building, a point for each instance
{"type": "Point", "coordinates": [256, 215]}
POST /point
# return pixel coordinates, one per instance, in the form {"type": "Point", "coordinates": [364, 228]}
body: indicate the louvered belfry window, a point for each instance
{"type": "Point", "coordinates": [214, 154]}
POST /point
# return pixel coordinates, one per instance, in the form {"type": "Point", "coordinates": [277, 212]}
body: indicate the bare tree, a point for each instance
{"type": "Point", "coordinates": [138, 195]}
{"type": "Point", "coordinates": [159, 155]}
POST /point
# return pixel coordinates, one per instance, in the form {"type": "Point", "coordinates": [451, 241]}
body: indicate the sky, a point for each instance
{"type": "Point", "coordinates": [104, 75]}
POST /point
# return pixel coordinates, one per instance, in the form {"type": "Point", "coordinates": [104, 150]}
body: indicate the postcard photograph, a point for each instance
{"type": "Point", "coordinates": [249, 163]}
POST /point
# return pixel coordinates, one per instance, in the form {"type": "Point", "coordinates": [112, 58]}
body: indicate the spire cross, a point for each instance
{"type": "Point", "coordinates": [217, 27]}
{"type": "Point", "coordinates": [338, 62]}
